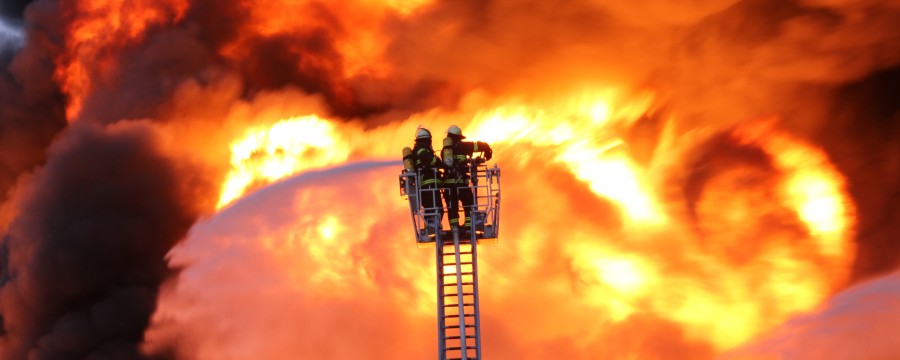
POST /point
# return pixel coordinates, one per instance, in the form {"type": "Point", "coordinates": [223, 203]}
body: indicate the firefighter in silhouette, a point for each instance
{"type": "Point", "coordinates": [457, 156]}
{"type": "Point", "coordinates": [428, 165]}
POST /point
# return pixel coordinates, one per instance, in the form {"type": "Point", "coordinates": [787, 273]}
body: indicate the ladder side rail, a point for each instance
{"type": "Point", "coordinates": [476, 300]}
{"type": "Point", "coordinates": [460, 300]}
{"type": "Point", "coordinates": [441, 323]}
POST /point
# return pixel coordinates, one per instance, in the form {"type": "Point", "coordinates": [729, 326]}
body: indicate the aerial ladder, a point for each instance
{"type": "Point", "coordinates": [458, 319]}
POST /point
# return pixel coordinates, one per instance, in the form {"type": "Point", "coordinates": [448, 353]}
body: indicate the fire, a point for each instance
{"type": "Point", "coordinates": [721, 287]}
{"type": "Point", "coordinates": [355, 33]}
{"type": "Point", "coordinates": [286, 148]}
{"type": "Point", "coordinates": [660, 198]}
{"type": "Point", "coordinates": [813, 187]}
{"type": "Point", "coordinates": [101, 29]}
{"type": "Point", "coordinates": [581, 131]}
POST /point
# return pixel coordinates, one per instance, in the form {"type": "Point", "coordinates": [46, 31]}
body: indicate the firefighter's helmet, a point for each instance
{"type": "Point", "coordinates": [455, 131]}
{"type": "Point", "coordinates": [422, 134]}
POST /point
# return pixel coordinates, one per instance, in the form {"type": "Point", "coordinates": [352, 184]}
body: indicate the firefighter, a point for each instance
{"type": "Point", "coordinates": [428, 165]}
{"type": "Point", "coordinates": [456, 156]}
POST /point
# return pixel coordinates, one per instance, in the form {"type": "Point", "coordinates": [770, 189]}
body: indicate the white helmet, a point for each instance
{"type": "Point", "coordinates": [455, 130]}
{"type": "Point", "coordinates": [423, 133]}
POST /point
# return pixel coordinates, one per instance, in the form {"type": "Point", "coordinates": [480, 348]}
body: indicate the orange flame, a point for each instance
{"type": "Point", "coordinates": [600, 238]}
{"type": "Point", "coordinates": [101, 29]}
{"type": "Point", "coordinates": [286, 148]}
{"type": "Point", "coordinates": [719, 289]}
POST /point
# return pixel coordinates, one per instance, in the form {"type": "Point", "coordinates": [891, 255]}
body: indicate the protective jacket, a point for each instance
{"type": "Point", "coordinates": [427, 163]}
{"type": "Point", "coordinates": [458, 174]}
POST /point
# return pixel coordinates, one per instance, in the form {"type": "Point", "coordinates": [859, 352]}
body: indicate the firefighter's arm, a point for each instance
{"type": "Point", "coordinates": [484, 148]}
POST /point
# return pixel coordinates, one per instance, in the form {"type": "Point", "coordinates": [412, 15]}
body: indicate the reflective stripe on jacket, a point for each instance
{"type": "Point", "coordinates": [427, 163]}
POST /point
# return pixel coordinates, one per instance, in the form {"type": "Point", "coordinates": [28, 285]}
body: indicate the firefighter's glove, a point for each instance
{"type": "Point", "coordinates": [486, 149]}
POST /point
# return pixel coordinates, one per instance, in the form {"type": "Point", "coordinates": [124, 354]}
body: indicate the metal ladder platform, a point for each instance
{"type": "Point", "coordinates": [485, 211]}
{"type": "Point", "coordinates": [459, 322]}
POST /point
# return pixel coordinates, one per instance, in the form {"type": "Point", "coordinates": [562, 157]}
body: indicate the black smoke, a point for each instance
{"type": "Point", "coordinates": [89, 219]}
{"type": "Point", "coordinates": [85, 255]}
{"type": "Point", "coordinates": [31, 104]}
{"type": "Point", "coordinates": [862, 135]}
{"type": "Point", "coordinates": [307, 59]}
{"type": "Point", "coordinates": [14, 8]}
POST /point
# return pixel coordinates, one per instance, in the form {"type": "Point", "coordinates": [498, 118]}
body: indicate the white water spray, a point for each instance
{"type": "Point", "coordinates": [858, 323]}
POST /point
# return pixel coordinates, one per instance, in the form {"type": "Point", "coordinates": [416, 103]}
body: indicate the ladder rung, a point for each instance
{"type": "Point", "coordinates": [457, 315]}
{"type": "Point", "coordinates": [460, 263]}
{"type": "Point", "coordinates": [460, 348]}
{"type": "Point", "coordinates": [468, 326]}
{"type": "Point", "coordinates": [463, 294]}
{"type": "Point", "coordinates": [465, 283]}
{"type": "Point", "coordinates": [453, 254]}
{"type": "Point", "coordinates": [457, 337]}
{"type": "Point", "coordinates": [462, 273]}
{"type": "Point", "coordinates": [464, 304]}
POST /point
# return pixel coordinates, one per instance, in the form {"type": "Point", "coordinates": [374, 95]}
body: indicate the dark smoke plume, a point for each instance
{"type": "Point", "coordinates": [13, 8]}
{"type": "Point", "coordinates": [31, 105]}
{"type": "Point", "coordinates": [85, 256]}
{"type": "Point", "coordinates": [862, 135]}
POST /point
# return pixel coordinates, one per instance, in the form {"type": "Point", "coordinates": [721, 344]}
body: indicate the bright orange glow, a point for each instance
{"type": "Point", "coordinates": [102, 28]}
{"type": "Point", "coordinates": [813, 187]}
{"type": "Point", "coordinates": [737, 283]}
{"type": "Point", "coordinates": [580, 131]}
{"type": "Point", "coordinates": [286, 148]}
{"type": "Point", "coordinates": [633, 215]}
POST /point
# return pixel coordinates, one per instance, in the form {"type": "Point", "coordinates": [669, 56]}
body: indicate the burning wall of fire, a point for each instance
{"type": "Point", "coordinates": [197, 179]}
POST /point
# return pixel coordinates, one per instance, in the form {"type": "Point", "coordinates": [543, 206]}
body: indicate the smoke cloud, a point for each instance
{"type": "Point", "coordinates": [14, 8]}
{"type": "Point", "coordinates": [31, 105]}
{"type": "Point", "coordinates": [84, 256]}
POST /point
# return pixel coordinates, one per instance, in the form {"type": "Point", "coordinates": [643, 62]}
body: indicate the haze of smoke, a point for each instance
{"type": "Point", "coordinates": [84, 256]}
{"type": "Point", "coordinates": [31, 105]}
{"type": "Point", "coordinates": [858, 323]}
{"type": "Point", "coordinates": [13, 8]}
